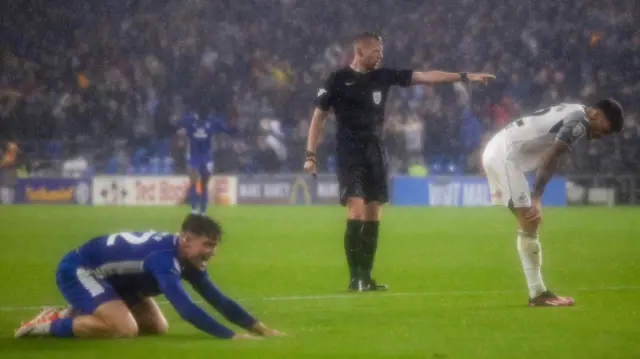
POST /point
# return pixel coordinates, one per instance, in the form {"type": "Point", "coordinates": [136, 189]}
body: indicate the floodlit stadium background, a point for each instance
{"type": "Point", "coordinates": [90, 93]}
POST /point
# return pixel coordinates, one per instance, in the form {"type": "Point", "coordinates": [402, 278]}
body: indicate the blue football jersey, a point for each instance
{"type": "Point", "coordinates": [200, 133]}
{"type": "Point", "coordinates": [144, 264]}
{"type": "Point", "coordinates": [127, 259]}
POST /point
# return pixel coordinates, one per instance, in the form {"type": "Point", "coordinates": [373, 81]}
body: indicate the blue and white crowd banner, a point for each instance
{"type": "Point", "coordinates": [287, 189]}
{"type": "Point", "coordinates": [460, 191]}
{"type": "Point", "coordinates": [53, 190]}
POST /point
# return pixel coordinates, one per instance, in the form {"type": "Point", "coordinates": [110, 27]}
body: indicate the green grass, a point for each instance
{"type": "Point", "coordinates": [457, 290]}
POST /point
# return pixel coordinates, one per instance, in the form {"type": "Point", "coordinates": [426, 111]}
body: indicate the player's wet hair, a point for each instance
{"type": "Point", "coordinates": [367, 36]}
{"type": "Point", "coordinates": [613, 112]}
{"type": "Point", "coordinates": [201, 225]}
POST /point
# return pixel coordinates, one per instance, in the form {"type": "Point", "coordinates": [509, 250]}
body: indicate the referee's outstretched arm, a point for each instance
{"type": "Point", "coordinates": [440, 77]}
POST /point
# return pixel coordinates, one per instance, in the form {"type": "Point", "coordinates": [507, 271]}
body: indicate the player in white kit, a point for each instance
{"type": "Point", "coordinates": [538, 142]}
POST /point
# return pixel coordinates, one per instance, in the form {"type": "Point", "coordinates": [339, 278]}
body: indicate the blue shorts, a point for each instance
{"type": "Point", "coordinates": [80, 287]}
{"type": "Point", "coordinates": [204, 167]}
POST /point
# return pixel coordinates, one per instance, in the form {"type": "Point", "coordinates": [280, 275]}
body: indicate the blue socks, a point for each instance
{"type": "Point", "coordinates": [193, 197]}
{"type": "Point", "coordinates": [204, 195]}
{"type": "Point", "coordinates": [62, 328]}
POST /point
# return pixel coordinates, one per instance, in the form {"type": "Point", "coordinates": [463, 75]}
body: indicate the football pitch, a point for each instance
{"type": "Point", "coordinates": [456, 285]}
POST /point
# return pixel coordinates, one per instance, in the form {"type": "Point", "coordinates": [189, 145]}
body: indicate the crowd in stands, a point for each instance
{"type": "Point", "coordinates": [108, 81]}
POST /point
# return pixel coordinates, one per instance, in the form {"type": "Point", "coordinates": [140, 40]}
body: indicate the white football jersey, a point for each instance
{"type": "Point", "coordinates": [528, 137]}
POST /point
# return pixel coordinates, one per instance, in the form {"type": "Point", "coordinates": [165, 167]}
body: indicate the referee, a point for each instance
{"type": "Point", "coordinates": [357, 95]}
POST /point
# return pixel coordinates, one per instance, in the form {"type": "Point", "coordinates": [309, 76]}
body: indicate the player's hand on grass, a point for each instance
{"type": "Point", "coordinates": [245, 336]}
{"type": "Point", "coordinates": [484, 78]}
{"type": "Point", "coordinates": [263, 330]}
{"type": "Point", "coordinates": [274, 333]}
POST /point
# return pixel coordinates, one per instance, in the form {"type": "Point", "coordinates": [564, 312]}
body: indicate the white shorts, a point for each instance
{"type": "Point", "coordinates": [508, 185]}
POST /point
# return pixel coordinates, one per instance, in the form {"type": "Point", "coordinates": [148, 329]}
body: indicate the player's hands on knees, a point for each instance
{"type": "Point", "coordinates": [245, 336]}
{"type": "Point", "coordinates": [484, 78]}
{"type": "Point", "coordinates": [534, 214]}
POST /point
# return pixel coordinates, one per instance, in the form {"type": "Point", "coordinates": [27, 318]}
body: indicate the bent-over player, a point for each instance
{"type": "Point", "coordinates": [538, 142]}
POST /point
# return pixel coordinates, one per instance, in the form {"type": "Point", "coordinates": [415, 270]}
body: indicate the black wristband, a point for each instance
{"type": "Point", "coordinates": [464, 77]}
{"type": "Point", "coordinates": [308, 154]}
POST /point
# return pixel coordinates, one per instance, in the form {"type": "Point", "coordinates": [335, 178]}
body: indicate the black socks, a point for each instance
{"type": "Point", "coordinates": [353, 246]}
{"type": "Point", "coordinates": [360, 244]}
{"type": "Point", "coordinates": [369, 246]}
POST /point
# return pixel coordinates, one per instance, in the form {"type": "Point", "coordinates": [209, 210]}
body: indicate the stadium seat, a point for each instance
{"type": "Point", "coordinates": [436, 165]}
{"type": "Point", "coordinates": [162, 147]}
{"type": "Point", "coordinates": [155, 165]}
{"type": "Point", "coordinates": [112, 165]}
{"type": "Point", "coordinates": [139, 157]}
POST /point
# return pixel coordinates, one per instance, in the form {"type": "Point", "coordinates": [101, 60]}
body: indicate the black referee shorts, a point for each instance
{"type": "Point", "coordinates": [362, 172]}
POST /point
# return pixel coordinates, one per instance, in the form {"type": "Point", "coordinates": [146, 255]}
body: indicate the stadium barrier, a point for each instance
{"type": "Point", "coordinates": [285, 189]}
{"type": "Point", "coordinates": [157, 190]}
{"type": "Point", "coordinates": [288, 189]}
{"type": "Point", "coordinates": [461, 191]}
{"type": "Point", "coordinates": [63, 190]}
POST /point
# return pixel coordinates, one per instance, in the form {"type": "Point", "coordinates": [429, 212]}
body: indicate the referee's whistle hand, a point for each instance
{"type": "Point", "coordinates": [310, 166]}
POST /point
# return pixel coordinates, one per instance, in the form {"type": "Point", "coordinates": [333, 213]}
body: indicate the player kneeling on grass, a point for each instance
{"type": "Point", "coordinates": [539, 141]}
{"type": "Point", "coordinates": [109, 282]}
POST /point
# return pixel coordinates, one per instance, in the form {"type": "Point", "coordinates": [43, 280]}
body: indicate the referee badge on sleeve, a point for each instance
{"type": "Point", "coordinates": [377, 96]}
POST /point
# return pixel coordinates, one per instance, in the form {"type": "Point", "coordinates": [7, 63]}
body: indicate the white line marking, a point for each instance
{"type": "Point", "coordinates": [373, 295]}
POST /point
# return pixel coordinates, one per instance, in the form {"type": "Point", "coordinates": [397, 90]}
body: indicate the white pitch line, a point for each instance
{"type": "Point", "coordinates": [424, 294]}
{"type": "Point", "coordinates": [373, 295]}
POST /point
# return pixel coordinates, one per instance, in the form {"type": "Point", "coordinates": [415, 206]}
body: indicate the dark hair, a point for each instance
{"type": "Point", "coordinates": [201, 225]}
{"type": "Point", "coordinates": [613, 112]}
{"type": "Point", "coordinates": [367, 36]}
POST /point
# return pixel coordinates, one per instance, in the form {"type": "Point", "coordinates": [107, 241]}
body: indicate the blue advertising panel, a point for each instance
{"type": "Point", "coordinates": [460, 191]}
{"type": "Point", "coordinates": [53, 190]}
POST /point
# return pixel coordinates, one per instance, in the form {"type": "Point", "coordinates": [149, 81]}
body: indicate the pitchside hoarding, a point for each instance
{"type": "Point", "coordinates": [287, 189]}
{"type": "Point", "coordinates": [157, 190]}
{"type": "Point", "coordinates": [461, 191]}
{"type": "Point", "coordinates": [53, 190]}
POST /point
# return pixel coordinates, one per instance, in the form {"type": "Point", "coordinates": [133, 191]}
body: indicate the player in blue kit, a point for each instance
{"type": "Point", "coordinates": [199, 131]}
{"type": "Point", "coordinates": [110, 280]}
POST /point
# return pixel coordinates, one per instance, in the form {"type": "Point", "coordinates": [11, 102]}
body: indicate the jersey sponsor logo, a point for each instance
{"type": "Point", "coordinates": [377, 97]}
{"type": "Point", "coordinates": [200, 133]}
{"type": "Point", "coordinates": [349, 83]}
{"type": "Point", "coordinates": [578, 131]}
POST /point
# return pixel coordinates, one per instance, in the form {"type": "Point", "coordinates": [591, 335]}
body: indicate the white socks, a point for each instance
{"type": "Point", "coordinates": [531, 257]}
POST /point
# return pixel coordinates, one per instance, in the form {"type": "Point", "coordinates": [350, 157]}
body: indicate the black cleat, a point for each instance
{"type": "Point", "coordinates": [372, 285]}
{"type": "Point", "coordinates": [357, 285]}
